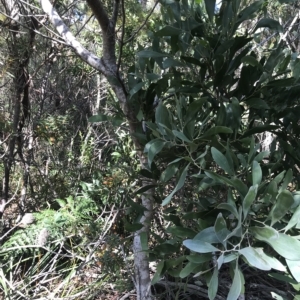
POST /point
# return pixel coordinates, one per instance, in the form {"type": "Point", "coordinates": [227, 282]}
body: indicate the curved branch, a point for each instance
{"type": "Point", "coordinates": [70, 39]}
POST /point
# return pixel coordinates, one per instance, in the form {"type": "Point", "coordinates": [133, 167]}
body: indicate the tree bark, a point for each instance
{"type": "Point", "coordinates": [108, 66]}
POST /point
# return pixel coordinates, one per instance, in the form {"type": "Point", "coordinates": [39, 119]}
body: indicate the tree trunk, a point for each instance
{"type": "Point", "coordinates": [108, 66]}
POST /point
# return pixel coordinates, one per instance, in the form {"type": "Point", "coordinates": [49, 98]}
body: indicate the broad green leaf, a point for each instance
{"type": "Point", "coordinates": [294, 267]}
{"type": "Point", "coordinates": [179, 185]}
{"type": "Point", "coordinates": [249, 199]}
{"type": "Point", "coordinates": [213, 283]}
{"type": "Point", "coordinates": [256, 173]}
{"type": "Point", "coordinates": [238, 230]}
{"type": "Point", "coordinates": [150, 53]}
{"type": "Point", "coordinates": [294, 220]}
{"type": "Point", "coordinates": [188, 269]}
{"type": "Point", "coordinates": [162, 116]}
{"type": "Point", "coordinates": [181, 232]}
{"type": "Point", "coordinates": [154, 149]}
{"type": "Point", "coordinates": [133, 227]}
{"type": "Point", "coordinates": [199, 258]}
{"type": "Point", "coordinates": [210, 6]}
{"type": "Point", "coordinates": [235, 182]}
{"type": "Point", "coordinates": [221, 229]}
{"type": "Point", "coordinates": [221, 160]}
{"type": "Point", "coordinates": [264, 233]}
{"type": "Point", "coordinates": [193, 109]}
{"type": "Point", "coordinates": [168, 31]}
{"type": "Point", "coordinates": [136, 88]}
{"type": "Point", "coordinates": [220, 261]}
{"type": "Point", "coordinates": [254, 258]}
{"type": "Point", "coordinates": [207, 235]}
{"type": "Point", "coordinates": [145, 188]}
{"type": "Point", "coordinates": [287, 179]}
{"type": "Point", "coordinates": [272, 261]}
{"type": "Point", "coordinates": [269, 23]}
{"type": "Point", "coordinates": [236, 287]}
{"type": "Point", "coordinates": [282, 244]}
{"type": "Point", "coordinates": [171, 63]}
{"type": "Point", "coordinates": [230, 207]}
{"type": "Point", "coordinates": [215, 130]}
{"type": "Point", "coordinates": [98, 118]}
{"type": "Point", "coordinates": [200, 246]}
{"type": "Point", "coordinates": [158, 273]}
{"type": "Point", "coordinates": [174, 262]}
{"type": "Point", "coordinates": [257, 103]}
{"type": "Point", "coordinates": [282, 205]}
{"type": "Point", "coordinates": [181, 136]}
{"type": "Point", "coordinates": [250, 60]}
{"type": "Point", "coordinates": [169, 172]}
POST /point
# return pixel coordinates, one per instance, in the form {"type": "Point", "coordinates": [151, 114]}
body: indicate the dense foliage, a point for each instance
{"type": "Point", "coordinates": [214, 88]}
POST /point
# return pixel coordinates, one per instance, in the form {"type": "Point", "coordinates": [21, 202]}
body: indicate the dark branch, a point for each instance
{"type": "Point", "coordinates": [100, 13]}
{"type": "Point", "coordinates": [114, 17]}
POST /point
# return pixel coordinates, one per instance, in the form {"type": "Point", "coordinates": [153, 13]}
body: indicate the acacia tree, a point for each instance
{"type": "Point", "coordinates": [109, 66]}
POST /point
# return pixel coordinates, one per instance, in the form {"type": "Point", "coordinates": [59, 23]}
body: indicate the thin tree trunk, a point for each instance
{"type": "Point", "coordinates": [108, 66]}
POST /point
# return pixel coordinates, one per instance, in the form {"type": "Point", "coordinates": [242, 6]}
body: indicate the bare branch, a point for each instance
{"type": "Point", "coordinates": [70, 39]}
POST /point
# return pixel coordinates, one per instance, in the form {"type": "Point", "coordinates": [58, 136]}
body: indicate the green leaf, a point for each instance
{"type": "Point", "coordinates": [287, 179]}
{"type": "Point", "coordinates": [169, 172]}
{"type": "Point", "coordinates": [194, 109]}
{"type": "Point", "coordinates": [199, 246]}
{"type": "Point", "coordinates": [158, 273]}
{"type": "Point", "coordinates": [188, 269]}
{"type": "Point", "coordinates": [213, 283]}
{"type": "Point", "coordinates": [154, 149]}
{"type": "Point", "coordinates": [98, 118]}
{"type": "Point", "coordinates": [235, 182]}
{"type": "Point", "coordinates": [294, 267]}
{"type": "Point", "coordinates": [133, 227]}
{"type": "Point", "coordinates": [199, 258]}
{"type": "Point", "coordinates": [230, 207]}
{"type": "Point", "coordinates": [150, 53]}
{"type": "Point", "coordinates": [179, 185]}
{"type": "Point", "coordinates": [221, 160]}
{"type": "Point", "coordinates": [181, 232]}
{"type": "Point", "coordinates": [280, 242]}
{"type": "Point", "coordinates": [145, 188]}
{"type": "Point", "coordinates": [171, 63]}
{"type": "Point", "coordinates": [257, 103]}
{"type": "Point", "coordinates": [207, 235]}
{"type": "Point", "coordinates": [181, 136]}
{"type": "Point", "coordinates": [269, 23]}
{"type": "Point", "coordinates": [256, 173]}
{"type": "Point", "coordinates": [168, 31]}
{"type": "Point", "coordinates": [272, 261]}
{"type": "Point", "coordinates": [215, 130]}
{"type": "Point", "coordinates": [162, 116]}
{"type": "Point", "coordinates": [250, 60]}
{"type": "Point", "coordinates": [136, 88]}
{"type": "Point", "coordinates": [294, 220]}
{"type": "Point", "coordinates": [254, 258]}
{"type": "Point", "coordinates": [221, 229]}
{"type": "Point", "coordinates": [282, 205]}
{"type": "Point", "coordinates": [236, 287]}
{"type": "Point", "coordinates": [210, 6]}
{"type": "Point", "coordinates": [249, 199]}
